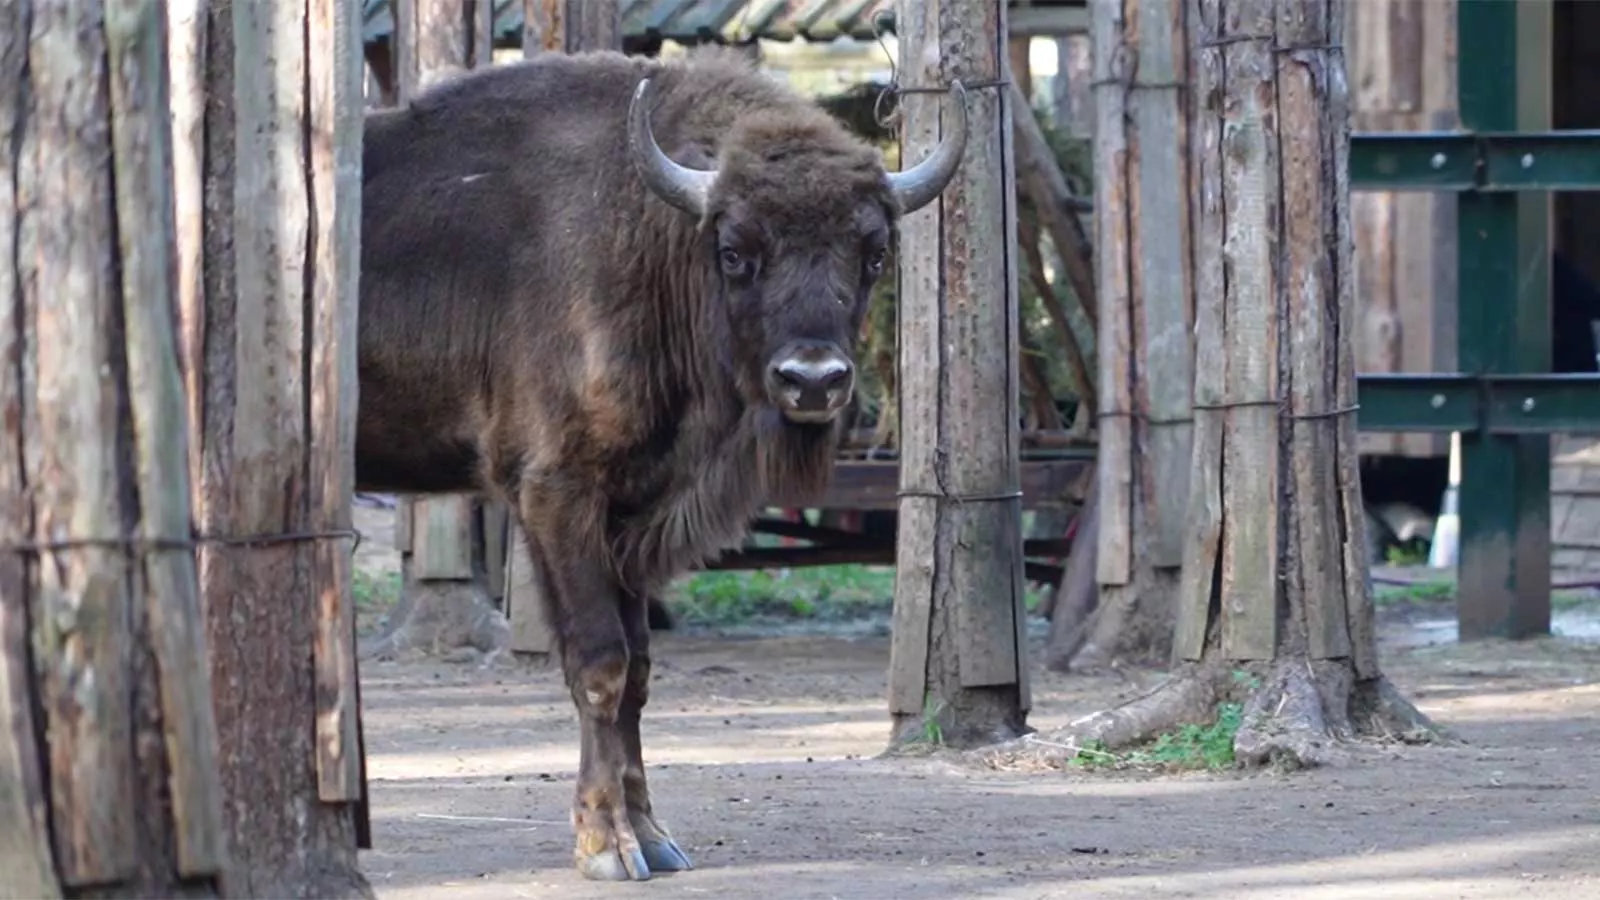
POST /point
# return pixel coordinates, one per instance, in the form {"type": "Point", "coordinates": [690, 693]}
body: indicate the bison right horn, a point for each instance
{"type": "Point", "coordinates": [681, 186]}
{"type": "Point", "coordinates": [917, 186]}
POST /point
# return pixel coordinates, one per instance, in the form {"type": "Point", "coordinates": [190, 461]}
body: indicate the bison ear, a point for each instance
{"type": "Point", "coordinates": [685, 188]}
{"type": "Point", "coordinates": [918, 186]}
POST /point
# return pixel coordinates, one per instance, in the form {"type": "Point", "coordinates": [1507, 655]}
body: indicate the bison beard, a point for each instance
{"type": "Point", "coordinates": [620, 294]}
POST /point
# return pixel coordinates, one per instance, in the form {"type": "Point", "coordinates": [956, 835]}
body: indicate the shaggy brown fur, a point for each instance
{"type": "Point", "coordinates": [536, 323]}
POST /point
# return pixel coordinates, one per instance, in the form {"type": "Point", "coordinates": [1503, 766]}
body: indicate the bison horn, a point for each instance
{"type": "Point", "coordinates": [916, 187]}
{"type": "Point", "coordinates": [681, 186]}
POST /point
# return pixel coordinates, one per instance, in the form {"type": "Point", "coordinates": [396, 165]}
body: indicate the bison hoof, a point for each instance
{"type": "Point", "coordinates": [665, 855]}
{"type": "Point", "coordinates": [614, 864]}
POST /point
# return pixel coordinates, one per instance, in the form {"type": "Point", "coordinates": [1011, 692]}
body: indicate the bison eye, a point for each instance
{"type": "Point", "coordinates": [732, 261]}
{"type": "Point", "coordinates": [875, 261]}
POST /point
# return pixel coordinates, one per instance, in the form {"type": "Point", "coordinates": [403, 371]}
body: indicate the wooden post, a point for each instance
{"type": "Point", "coordinates": [958, 671]}
{"type": "Point", "coordinates": [570, 26]}
{"type": "Point", "coordinates": [1275, 606]}
{"type": "Point", "coordinates": [451, 545]}
{"type": "Point", "coordinates": [102, 656]}
{"type": "Point", "coordinates": [270, 338]}
{"type": "Point", "coordinates": [1073, 101]}
{"type": "Point", "coordinates": [1146, 301]}
{"type": "Point", "coordinates": [550, 26]}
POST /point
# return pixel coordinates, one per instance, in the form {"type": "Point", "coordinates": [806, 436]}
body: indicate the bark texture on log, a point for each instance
{"type": "Point", "coordinates": [958, 667]}
{"type": "Point", "coordinates": [273, 342]}
{"type": "Point", "coordinates": [108, 745]}
{"type": "Point", "coordinates": [1275, 583]}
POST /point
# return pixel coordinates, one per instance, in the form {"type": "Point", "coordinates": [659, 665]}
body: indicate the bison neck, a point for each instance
{"type": "Point", "coordinates": [720, 480]}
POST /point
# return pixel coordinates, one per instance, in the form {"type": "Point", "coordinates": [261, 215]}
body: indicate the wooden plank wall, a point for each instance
{"type": "Point", "coordinates": [1401, 58]}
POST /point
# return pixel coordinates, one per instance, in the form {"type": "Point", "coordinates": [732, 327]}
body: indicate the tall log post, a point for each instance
{"type": "Point", "coordinates": [570, 26]}
{"type": "Point", "coordinates": [958, 671]}
{"type": "Point", "coordinates": [550, 26]}
{"type": "Point", "coordinates": [1275, 608]}
{"type": "Point", "coordinates": [452, 558]}
{"type": "Point", "coordinates": [1145, 362]}
{"type": "Point", "coordinates": [273, 89]}
{"type": "Point", "coordinates": [108, 743]}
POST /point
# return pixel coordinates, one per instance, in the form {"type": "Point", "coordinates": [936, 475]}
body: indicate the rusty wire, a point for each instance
{"type": "Point", "coordinates": [137, 545]}
{"type": "Point", "coordinates": [895, 88]}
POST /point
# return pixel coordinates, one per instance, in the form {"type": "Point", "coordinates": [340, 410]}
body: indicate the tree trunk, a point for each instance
{"type": "Point", "coordinates": [1142, 203]}
{"type": "Point", "coordinates": [447, 606]}
{"type": "Point", "coordinates": [1275, 606]}
{"type": "Point", "coordinates": [958, 673]}
{"type": "Point", "coordinates": [108, 746]}
{"type": "Point", "coordinates": [272, 330]}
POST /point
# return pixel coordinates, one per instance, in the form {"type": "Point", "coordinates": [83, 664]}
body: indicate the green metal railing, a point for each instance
{"type": "Point", "coordinates": [1504, 413]}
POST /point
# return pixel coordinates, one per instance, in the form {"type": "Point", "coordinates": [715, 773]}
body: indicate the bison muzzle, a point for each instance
{"type": "Point", "coordinates": [621, 295]}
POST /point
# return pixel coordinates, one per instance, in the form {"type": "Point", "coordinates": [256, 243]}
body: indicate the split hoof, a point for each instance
{"type": "Point", "coordinates": [664, 855]}
{"type": "Point", "coordinates": [614, 864]}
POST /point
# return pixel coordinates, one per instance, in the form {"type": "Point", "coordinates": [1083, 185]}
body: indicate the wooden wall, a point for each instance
{"type": "Point", "coordinates": [1401, 62]}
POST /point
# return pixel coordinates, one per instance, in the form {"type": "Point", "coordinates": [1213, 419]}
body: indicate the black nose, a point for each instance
{"type": "Point", "coordinates": [825, 374]}
{"type": "Point", "coordinates": [810, 382]}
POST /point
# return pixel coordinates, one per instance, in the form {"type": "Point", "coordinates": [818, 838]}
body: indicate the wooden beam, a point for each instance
{"type": "Point", "coordinates": [334, 70]}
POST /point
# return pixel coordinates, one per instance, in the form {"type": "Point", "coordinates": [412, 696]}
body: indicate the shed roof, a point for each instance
{"type": "Point", "coordinates": [702, 21]}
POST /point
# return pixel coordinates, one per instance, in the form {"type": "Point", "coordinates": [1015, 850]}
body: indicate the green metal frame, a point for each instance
{"type": "Point", "coordinates": [1503, 164]}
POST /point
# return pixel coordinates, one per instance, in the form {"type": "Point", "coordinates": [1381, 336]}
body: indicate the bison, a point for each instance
{"type": "Point", "coordinates": [621, 294]}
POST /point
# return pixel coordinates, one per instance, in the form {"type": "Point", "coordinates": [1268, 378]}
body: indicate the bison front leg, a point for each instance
{"type": "Point", "coordinates": [661, 852]}
{"type": "Point", "coordinates": [586, 606]}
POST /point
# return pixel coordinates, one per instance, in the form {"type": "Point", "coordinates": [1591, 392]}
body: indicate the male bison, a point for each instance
{"type": "Point", "coordinates": [637, 345]}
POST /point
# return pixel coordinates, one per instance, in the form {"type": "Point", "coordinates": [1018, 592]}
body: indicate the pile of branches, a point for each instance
{"type": "Point", "coordinates": [1055, 273]}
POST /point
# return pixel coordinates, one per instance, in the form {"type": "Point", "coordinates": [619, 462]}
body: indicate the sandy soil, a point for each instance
{"type": "Point", "coordinates": [762, 763]}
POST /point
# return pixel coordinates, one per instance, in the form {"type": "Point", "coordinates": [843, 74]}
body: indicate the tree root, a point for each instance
{"type": "Point", "coordinates": [1297, 713]}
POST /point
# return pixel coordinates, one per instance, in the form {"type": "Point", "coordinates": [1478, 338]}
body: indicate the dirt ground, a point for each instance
{"type": "Point", "coordinates": [762, 761]}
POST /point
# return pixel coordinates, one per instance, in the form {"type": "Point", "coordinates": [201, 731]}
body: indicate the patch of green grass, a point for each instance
{"type": "Point", "coordinates": [1573, 599]}
{"type": "Point", "coordinates": [820, 594]}
{"type": "Point", "coordinates": [844, 593]}
{"type": "Point", "coordinates": [1186, 748]}
{"type": "Point", "coordinates": [375, 591]}
{"type": "Point", "coordinates": [1412, 553]}
{"type": "Point", "coordinates": [375, 594]}
{"type": "Point", "coordinates": [369, 590]}
{"type": "Point", "coordinates": [932, 731]}
{"type": "Point", "coordinates": [1419, 592]}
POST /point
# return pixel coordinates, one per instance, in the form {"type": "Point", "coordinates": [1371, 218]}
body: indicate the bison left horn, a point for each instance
{"type": "Point", "coordinates": [917, 186]}
{"type": "Point", "coordinates": [681, 186]}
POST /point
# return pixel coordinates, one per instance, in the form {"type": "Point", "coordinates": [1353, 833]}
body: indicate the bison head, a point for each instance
{"type": "Point", "coordinates": [796, 218]}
